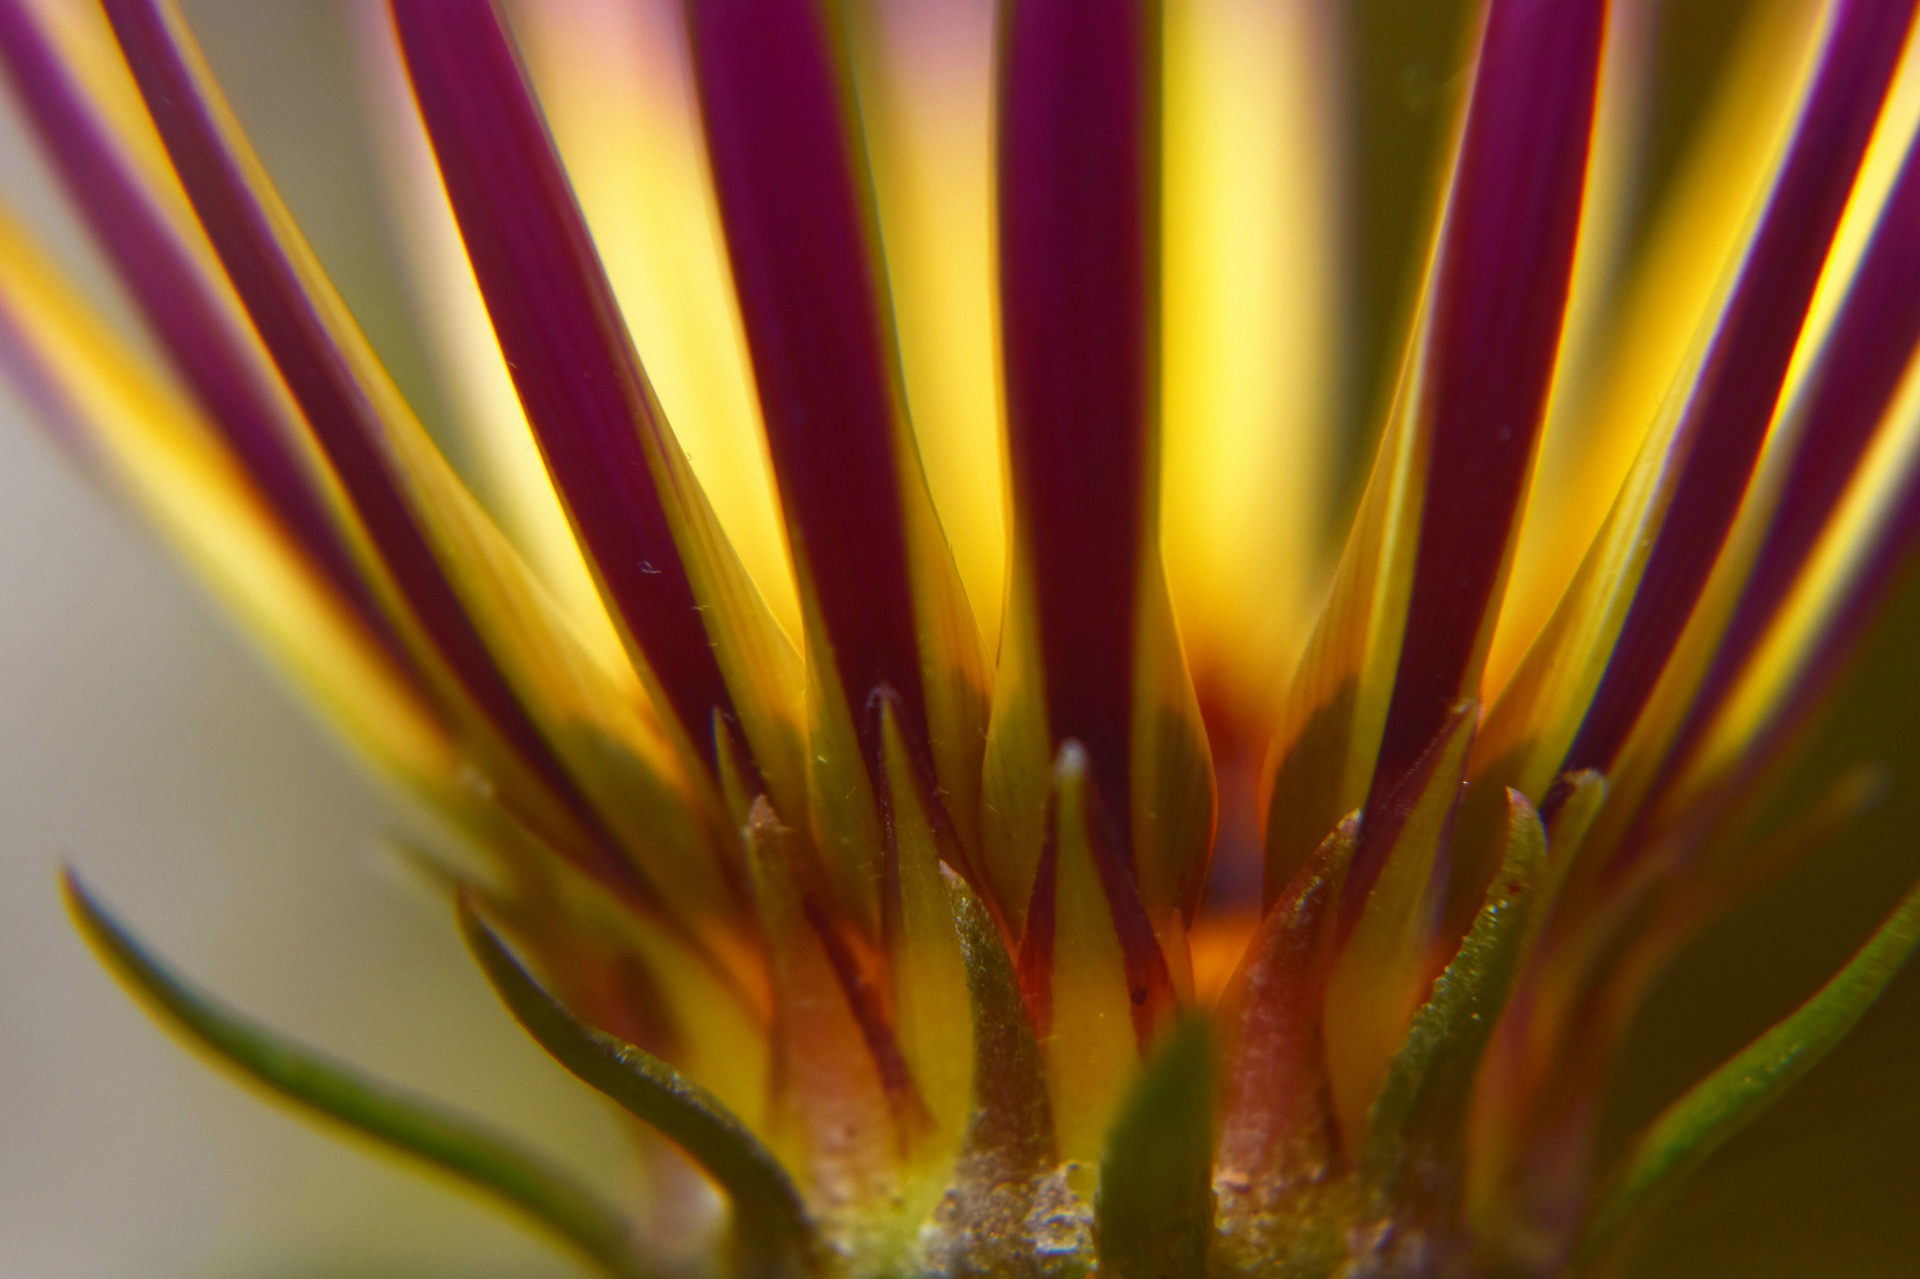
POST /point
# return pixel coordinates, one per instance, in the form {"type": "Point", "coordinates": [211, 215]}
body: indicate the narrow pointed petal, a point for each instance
{"type": "Point", "coordinates": [771, 1223]}
{"type": "Point", "coordinates": [1723, 1103]}
{"type": "Point", "coordinates": [142, 435]}
{"type": "Point", "coordinates": [1078, 171]}
{"type": "Point", "coordinates": [1388, 913]}
{"type": "Point", "coordinates": [455, 1144]}
{"type": "Point", "coordinates": [1416, 1131]}
{"type": "Point", "coordinates": [378, 450]}
{"type": "Point", "coordinates": [1277, 1129]}
{"type": "Point", "coordinates": [1831, 611]}
{"type": "Point", "coordinates": [881, 600]}
{"type": "Point", "coordinates": [1103, 981]}
{"type": "Point", "coordinates": [1154, 1213]}
{"type": "Point", "coordinates": [484, 423]}
{"type": "Point", "coordinates": [1724, 423]}
{"type": "Point", "coordinates": [553, 310]}
{"type": "Point", "coordinates": [1603, 414]}
{"type": "Point", "coordinates": [1407, 629]}
{"type": "Point", "coordinates": [795, 203]}
{"type": "Point", "coordinates": [1854, 386]}
{"type": "Point", "coordinates": [928, 972]}
{"type": "Point", "coordinates": [923, 75]}
{"type": "Point", "coordinates": [615, 82]}
{"type": "Point", "coordinates": [179, 304]}
{"type": "Point", "coordinates": [1500, 287]}
{"type": "Point", "coordinates": [1077, 97]}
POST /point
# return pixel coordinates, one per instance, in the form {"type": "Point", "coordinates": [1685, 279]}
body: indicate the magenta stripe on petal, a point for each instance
{"type": "Point", "coordinates": [1078, 101]}
{"type": "Point", "coordinates": [561, 332]}
{"type": "Point", "coordinates": [1888, 566]}
{"type": "Point", "coordinates": [174, 300]}
{"type": "Point", "coordinates": [317, 373]}
{"type": "Point", "coordinates": [1873, 338]}
{"type": "Point", "coordinates": [1725, 421]}
{"type": "Point", "coordinates": [1505, 264]}
{"type": "Point", "coordinates": [792, 193]}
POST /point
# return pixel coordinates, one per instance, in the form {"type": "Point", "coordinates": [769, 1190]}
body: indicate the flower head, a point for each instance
{"type": "Point", "coordinates": [935, 948]}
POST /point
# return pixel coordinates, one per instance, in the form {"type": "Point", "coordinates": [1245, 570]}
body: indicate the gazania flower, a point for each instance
{"type": "Point", "coordinates": [1209, 910]}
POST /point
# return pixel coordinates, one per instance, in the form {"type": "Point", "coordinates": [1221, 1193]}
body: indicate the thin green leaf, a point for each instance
{"type": "Point", "coordinates": [453, 1143]}
{"type": "Point", "coordinates": [1415, 1130]}
{"type": "Point", "coordinates": [1154, 1213]}
{"type": "Point", "coordinates": [772, 1229]}
{"type": "Point", "coordinates": [1726, 1101]}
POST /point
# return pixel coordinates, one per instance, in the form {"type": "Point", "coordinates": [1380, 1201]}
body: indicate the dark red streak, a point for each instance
{"type": "Point", "coordinates": [1504, 268]}
{"type": "Point", "coordinates": [180, 313]}
{"type": "Point", "coordinates": [560, 329]}
{"type": "Point", "coordinates": [1873, 338]}
{"type": "Point", "coordinates": [316, 372]}
{"type": "Point", "coordinates": [793, 199]}
{"type": "Point", "coordinates": [1078, 239]}
{"type": "Point", "coordinates": [1725, 421]}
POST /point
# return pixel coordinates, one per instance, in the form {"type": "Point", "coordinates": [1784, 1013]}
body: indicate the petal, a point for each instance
{"type": "Point", "coordinates": [171, 280]}
{"type": "Point", "coordinates": [841, 1084]}
{"type": "Point", "coordinates": [924, 77]}
{"type": "Point", "coordinates": [1252, 300]}
{"type": "Point", "coordinates": [390, 470]}
{"type": "Point", "coordinates": [882, 601]}
{"type": "Point", "coordinates": [1387, 923]}
{"type": "Point", "coordinates": [615, 81]}
{"type": "Point", "coordinates": [1078, 234]}
{"type": "Point", "coordinates": [1094, 972]}
{"type": "Point", "coordinates": [588, 401]}
{"type": "Point", "coordinates": [1720, 431]}
{"type": "Point", "coordinates": [928, 972]}
{"type": "Point", "coordinates": [1600, 421]}
{"type": "Point", "coordinates": [151, 442]}
{"type": "Point", "coordinates": [1406, 632]}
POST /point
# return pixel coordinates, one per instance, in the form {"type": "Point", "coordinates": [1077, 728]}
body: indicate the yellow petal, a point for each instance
{"type": "Point", "coordinates": [616, 87]}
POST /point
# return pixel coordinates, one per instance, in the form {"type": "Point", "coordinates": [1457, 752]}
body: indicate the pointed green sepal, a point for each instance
{"type": "Point", "coordinates": [1726, 1101]}
{"type": "Point", "coordinates": [773, 1232]}
{"type": "Point", "coordinates": [1154, 1214]}
{"type": "Point", "coordinates": [1415, 1130]}
{"type": "Point", "coordinates": [1011, 1127]}
{"type": "Point", "coordinates": [455, 1144]}
{"type": "Point", "coordinates": [1010, 1213]}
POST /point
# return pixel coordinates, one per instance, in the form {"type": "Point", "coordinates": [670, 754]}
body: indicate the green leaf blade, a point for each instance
{"type": "Point", "coordinates": [773, 1230]}
{"type": "Point", "coordinates": [421, 1129]}
{"type": "Point", "coordinates": [1726, 1101]}
{"type": "Point", "coordinates": [1154, 1213]}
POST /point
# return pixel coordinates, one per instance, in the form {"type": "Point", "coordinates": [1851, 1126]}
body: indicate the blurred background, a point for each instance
{"type": "Point", "coordinates": [142, 740]}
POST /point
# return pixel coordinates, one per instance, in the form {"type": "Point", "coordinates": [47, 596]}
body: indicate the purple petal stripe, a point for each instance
{"type": "Point", "coordinates": [1725, 421]}
{"type": "Point", "coordinates": [561, 332]}
{"type": "Point", "coordinates": [167, 286]}
{"type": "Point", "coordinates": [1504, 268]}
{"type": "Point", "coordinates": [792, 191]}
{"type": "Point", "coordinates": [1873, 338]}
{"type": "Point", "coordinates": [324, 386]}
{"type": "Point", "coordinates": [1078, 174]}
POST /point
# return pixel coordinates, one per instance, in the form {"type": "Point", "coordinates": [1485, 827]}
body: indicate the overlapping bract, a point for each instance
{"type": "Point", "coordinates": [904, 935]}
